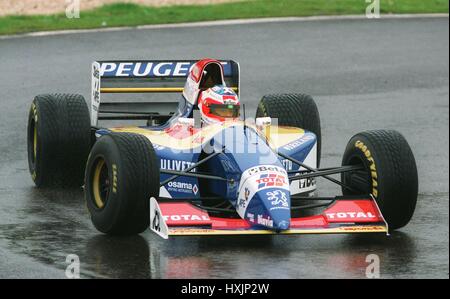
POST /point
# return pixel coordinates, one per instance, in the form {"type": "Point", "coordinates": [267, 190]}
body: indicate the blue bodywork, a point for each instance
{"type": "Point", "coordinates": [268, 207]}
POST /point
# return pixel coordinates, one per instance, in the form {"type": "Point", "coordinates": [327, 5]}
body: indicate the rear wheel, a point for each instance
{"type": "Point", "coordinates": [389, 173]}
{"type": "Point", "coordinates": [122, 174]}
{"type": "Point", "coordinates": [293, 110]}
{"type": "Point", "coordinates": [59, 140]}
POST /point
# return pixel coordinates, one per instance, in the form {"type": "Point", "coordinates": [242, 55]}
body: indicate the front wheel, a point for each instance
{"type": "Point", "coordinates": [389, 173]}
{"type": "Point", "coordinates": [122, 174]}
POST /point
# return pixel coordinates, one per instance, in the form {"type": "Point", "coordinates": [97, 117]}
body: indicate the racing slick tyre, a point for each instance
{"type": "Point", "coordinates": [389, 173]}
{"type": "Point", "coordinates": [58, 140]}
{"type": "Point", "coordinates": [293, 110]}
{"type": "Point", "coordinates": [122, 174]}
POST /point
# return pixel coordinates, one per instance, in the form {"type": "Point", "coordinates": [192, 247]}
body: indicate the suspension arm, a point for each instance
{"type": "Point", "coordinates": [320, 172]}
{"type": "Point", "coordinates": [315, 170]}
{"type": "Point", "coordinates": [193, 174]}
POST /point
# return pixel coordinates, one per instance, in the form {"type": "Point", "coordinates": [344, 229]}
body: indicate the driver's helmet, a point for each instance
{"type": "Point", "coordinates": [218, 103]}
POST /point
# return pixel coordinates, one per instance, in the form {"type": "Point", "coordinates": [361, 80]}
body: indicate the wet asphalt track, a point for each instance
{"type": "Point", "coordinates": [363, 74]}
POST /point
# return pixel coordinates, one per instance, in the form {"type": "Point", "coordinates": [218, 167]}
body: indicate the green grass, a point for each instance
{"type": "Point", "coordinates": [116, 15]}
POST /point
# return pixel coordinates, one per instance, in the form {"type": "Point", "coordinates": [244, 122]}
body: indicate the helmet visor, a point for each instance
{"type": "Point", "coordinates": [225, 110]}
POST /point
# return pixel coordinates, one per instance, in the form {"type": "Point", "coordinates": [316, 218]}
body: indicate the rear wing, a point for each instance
{"type": "Point", "coordinates": [149, 76]}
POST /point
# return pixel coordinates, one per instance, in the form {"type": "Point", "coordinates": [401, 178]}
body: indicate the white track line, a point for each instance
{"type": "Point", "coordinates": [226, 23]}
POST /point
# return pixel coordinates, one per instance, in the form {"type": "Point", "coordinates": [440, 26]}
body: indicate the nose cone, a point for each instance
{"type": "Point", "coordinates": [271, 209]}
{"type": "Point", "coordinates": [283, 225]}
{"type": "Point", "coordinates": [264, 198]}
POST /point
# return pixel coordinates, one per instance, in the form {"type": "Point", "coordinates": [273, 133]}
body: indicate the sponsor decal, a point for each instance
{"type": "Point", "coordinates": [364, 228]}
{"type": "Point", "coordinates": [350, 215]}
{"type": "Point", "coordinates": [278, 199]}
{"type": "Point", "coordinates": [373, 168]}
{"type": "Point", "coordinates": [151, 69]}
{"type": "Point", "coordinates": [271, 180]}
{"type": "Point", "coordinates": [195, 189]}
{"type": "Point", "coordinates": [177, 165]}
{"type": "Point", "coordinates": [299, 142]}
{"type": "Point", "coordinates": [243, 201]}
{"type": "Point", "coordinates": [95, 93]}
{"type": "Point", "coordinates": [265, 168]}
{"type": "Point", "coordinates": [302, 184]}
{"type": "Point", "coordinates": [182, 187]}
{"type": "Point", "coordinates": [246, 193]}
{"type": "Point", "coordinates": [186, 218]}
{"type": "Point", "coordinates": [266, 221]}
{"type": "Point", "coordinates": [306, 183]}
{"type": "Point", "coordinates": [114, 180]}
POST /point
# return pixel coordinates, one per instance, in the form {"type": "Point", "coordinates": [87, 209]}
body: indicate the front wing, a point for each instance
{"type": "Point", "coordinates": [344, 216]}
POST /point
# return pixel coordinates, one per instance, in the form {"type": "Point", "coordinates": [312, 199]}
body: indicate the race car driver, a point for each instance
{"type": "Point", "coordinates": [206, 90]}
{"type": "Point", "coordinates": [217, 104]}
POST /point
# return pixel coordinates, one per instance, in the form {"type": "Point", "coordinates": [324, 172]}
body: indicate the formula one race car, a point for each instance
{"type": "Point", "coordinates": [198, 167]}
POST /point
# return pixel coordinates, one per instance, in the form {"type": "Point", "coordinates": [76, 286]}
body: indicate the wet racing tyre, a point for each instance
{"type": "Point", "coordinates": [58, 140]}
{"type": "Point", "coordinates": [122, 174]}
{"type": "Point", "coordinates": [293, 110]}
{"type": "Point", "coordinates": [389, 173]}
